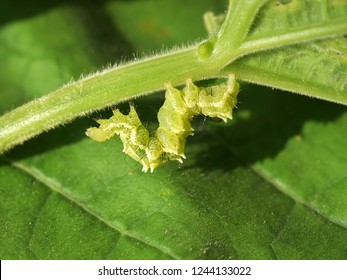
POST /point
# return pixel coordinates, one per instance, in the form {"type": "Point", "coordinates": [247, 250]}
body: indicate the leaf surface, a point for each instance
{"type": "Point", "coordinates": [317, 69]}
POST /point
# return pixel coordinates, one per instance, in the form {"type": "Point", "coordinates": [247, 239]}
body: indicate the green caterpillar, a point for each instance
{"type": "Point", "coordinates": [168, 141]}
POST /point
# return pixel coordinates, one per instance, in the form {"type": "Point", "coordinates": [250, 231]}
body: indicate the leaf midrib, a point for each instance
{"type": "Point", "coordinates": [43, 179]}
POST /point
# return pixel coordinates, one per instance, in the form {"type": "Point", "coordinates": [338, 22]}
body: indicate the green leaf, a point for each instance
{"type": "Point", "coordinates": [297, 144]}
{"type": "Point", "coordinates": [278, 23]}
{"type": "Point", "coordinates": [317, 69]}
{"type": "Point", "coordinates": [35, 60]}
{"type": "Point", "coordinates": [269, 185]}
{"type": "Point", "coordinates": [278, 19]}
{"type": "Point", "coordinates": [214, 206]}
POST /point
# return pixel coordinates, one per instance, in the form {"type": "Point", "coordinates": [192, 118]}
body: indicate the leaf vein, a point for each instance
{"type": "Point", "coordinates": [275, 183]}
{"type": "Point", "coordinates": [53, 185]}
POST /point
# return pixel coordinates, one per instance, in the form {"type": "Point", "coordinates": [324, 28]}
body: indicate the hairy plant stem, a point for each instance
{"type": "Point", "coordinates": [112, 86]}
{"type": "Point", "coordinates": [149, 75]}
{"type": "Point", "coordinates": [98, 91]}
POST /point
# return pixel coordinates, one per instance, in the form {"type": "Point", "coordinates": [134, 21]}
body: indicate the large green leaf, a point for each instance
{"type": "Point", "coordinates": [271, 184]}
{"type": "Point", "coordinates": [316, 69]}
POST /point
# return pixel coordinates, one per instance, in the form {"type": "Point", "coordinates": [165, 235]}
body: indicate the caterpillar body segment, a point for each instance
{"type": "Point", "coordinates": [190, 95]}
{"type": "Point", "coordinates": [168, 141]}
